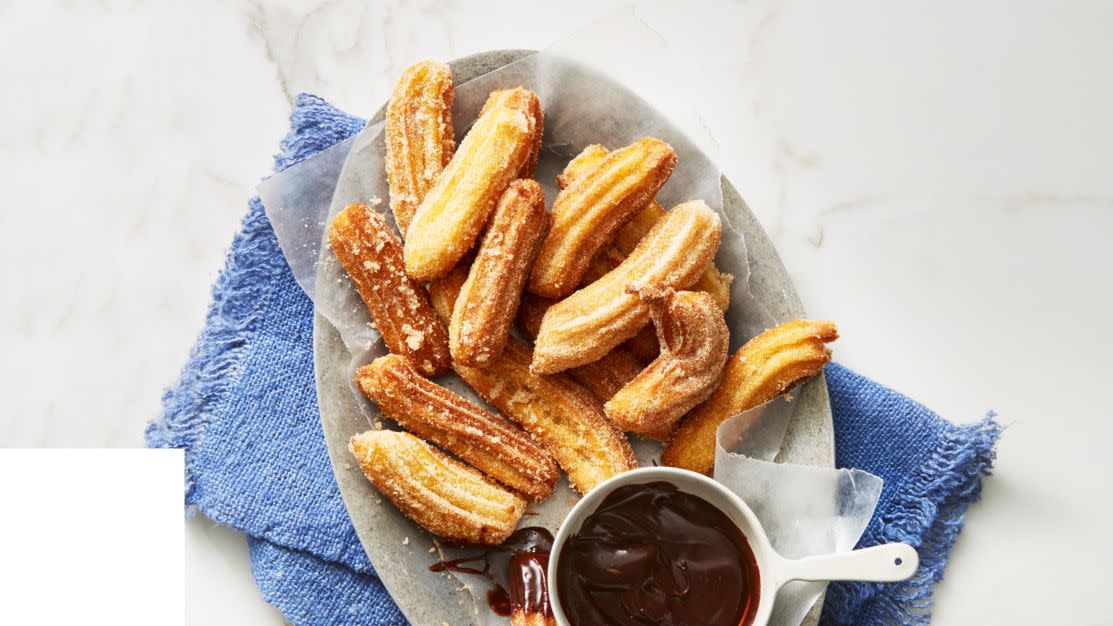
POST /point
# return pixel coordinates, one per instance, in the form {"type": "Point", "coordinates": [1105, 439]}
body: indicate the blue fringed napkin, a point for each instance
{"type": "Point", "coordinates": [245, 410]}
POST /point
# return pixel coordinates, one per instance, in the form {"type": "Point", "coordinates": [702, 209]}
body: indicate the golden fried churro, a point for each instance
{"type": "Point", "coordinates": [456, 208]}
{"type": "Point", "coordinates": [525, 101]}
{"type": "Point", "coordinates": [419, 136]}
{"type": "Point", "coordinates": [483, 439]}
{"type": "Point", "coordinates": [603, 378]}
{"type": "Point", "coordinates": [560, 414]}
{"type": "Point", "coordinates": [712, 281]}
{"type": "Point", "coordinates": [694, 341]}
{"type": "Point", "coordinates": [581, 164]}
{"type": "Point", "coordinates": [591, 322]}
{"type": "Point", "coordinates": [588, 212]}
{"type": "Point", "coordinates": [446, 497]}
{"type": "Point", "coordinates": [765, 367]}
{"type": "Point", "coordinates": [488, 300]}
{"type": "Point", "coordinates": [444, 290]}
{"type": "Point", "coordinates": [372, 255]}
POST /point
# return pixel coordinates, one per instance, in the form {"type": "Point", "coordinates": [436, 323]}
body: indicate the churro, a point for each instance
{"type": "Point", "coordinates": [419, 136]}
{"type": "Point", "coordinates": [589, 211]}
{"type": "Point", "coordinates": [603, 378]}
{"type": "Point", "coordinates": [626, 239]}
{"type": "Point", "coordinates": [525, 101]}
{"type": "Point", "coordinates": [372, 255]}
{"type": "Point", "coordinates": [456, 208]}
{"type": "Point", "coordinates": [563, 416]}
{"type": "Point", "coordinates": [486, 441]}
{"type": "Point", "coordinates": [446, 497]}
{"type": "Point", "coordinates": [591, 322]}
{"type": "Point", "coordinates": [488, 299]}
{"type": "Point", "coordinates": [694, 341]}
{"type": "Point", "coordinates": [765, 367]}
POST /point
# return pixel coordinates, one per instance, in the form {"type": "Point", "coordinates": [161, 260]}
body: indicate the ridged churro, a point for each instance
{"type": "Point", "coordinates": [419, 136]}
{"type": "Point", "coordinates": [603, 378]}
{"type": "Point", "coordinates": [589, 211]}
{"type": "Point", "coordinates": [765, 367]}
{"type": "Point", "coordinates": [626, 239]}
{"type": "Point", "coordinates": [372, 255]}
{"type": "Point", "coordinates": [446, 497]}
{"type": "Point", "coordinates": [525, 101]}
{"type": "Point", "coordinates": [694, 341]}
{"type": "Point", "coordinates": [591, 322]}
{"type": "Point", "coordinates": [488, 300]}
{"type": "Point", "coordinates": [563, 416]}
{"type": "Point", "coordinates": [456, 208]}
{"type": "Point", "coordinates": [476, 436]}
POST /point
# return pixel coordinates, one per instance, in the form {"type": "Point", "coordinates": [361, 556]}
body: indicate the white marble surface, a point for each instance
{"type": "Point", "coordinates": [936, 176]}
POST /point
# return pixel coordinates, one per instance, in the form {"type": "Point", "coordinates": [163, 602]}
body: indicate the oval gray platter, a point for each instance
{"type": "Point", "coordinates": [398, 548]}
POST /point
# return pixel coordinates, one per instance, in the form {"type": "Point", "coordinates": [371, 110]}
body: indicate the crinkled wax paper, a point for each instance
{"type": "Point", "coordinates": [806, 510]}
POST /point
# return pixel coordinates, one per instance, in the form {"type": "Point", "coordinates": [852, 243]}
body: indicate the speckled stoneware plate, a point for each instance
{"type": "Point", "coordinates": [397, 547]}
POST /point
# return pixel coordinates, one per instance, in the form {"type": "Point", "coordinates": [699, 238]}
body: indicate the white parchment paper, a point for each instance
{"type": "Point", "coordinates": [805, 510]}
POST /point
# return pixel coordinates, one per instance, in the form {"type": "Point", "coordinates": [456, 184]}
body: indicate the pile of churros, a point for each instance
{"type": "Point", "coordinates": [619, 299]}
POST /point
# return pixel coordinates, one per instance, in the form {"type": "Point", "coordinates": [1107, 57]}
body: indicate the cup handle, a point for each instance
{"type": "Point", "coordinates": [889, 562]}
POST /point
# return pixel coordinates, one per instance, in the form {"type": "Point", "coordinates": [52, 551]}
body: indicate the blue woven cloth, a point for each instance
{"type": "Point", "coordinates": [245, 410]}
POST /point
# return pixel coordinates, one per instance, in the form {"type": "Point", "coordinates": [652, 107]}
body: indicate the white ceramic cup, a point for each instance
{"type": "Point", "coordinates": [885, 563]}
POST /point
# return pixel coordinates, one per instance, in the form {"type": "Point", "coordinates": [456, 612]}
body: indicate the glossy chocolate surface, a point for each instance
{"type": "Point", "coordinates": [652, 554]}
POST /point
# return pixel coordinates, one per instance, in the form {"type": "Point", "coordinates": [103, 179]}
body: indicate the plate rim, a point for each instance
{"type": "Point", "coordinates": [356, 490]}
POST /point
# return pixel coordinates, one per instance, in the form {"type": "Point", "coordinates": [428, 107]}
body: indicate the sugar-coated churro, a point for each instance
{"type": "Point", "coordinates": [591, 322]}
{"type": "Point", "coordinates": [603, 378]}
{"type": "Point", "coordinates": [765, 367]}
{"type": "Point", "coordinates": [419, 136]}
{"type": "Point", "coordinates": [372, 255]}
{"type": "Point", "coordinates": [456, 208]}
{"type": "Point", "coordinates": [559, 413]}
{"type": "Point", "coordinates": [626, 239]}
{"type": "Point", "coordinates": [525, 101]}
{"type": "Point", "coordinates": [446, 497]}
{"type": "Point", "coordinates": [694, 341]}
{"type": "Point", "coordinates": [588, 212]}
{"type": "Point", "coordinates": [488, 299]}
{"type": "Point", "coordinates": [483, 439]}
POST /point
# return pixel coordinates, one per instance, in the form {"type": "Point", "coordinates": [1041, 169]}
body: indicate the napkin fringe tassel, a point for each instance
{"type": "Point", "coordinates": [214, 364]}
{"type": "Point", "coordinates": [929, 512]}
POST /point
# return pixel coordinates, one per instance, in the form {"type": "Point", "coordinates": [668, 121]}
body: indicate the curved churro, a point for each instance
{"type": "Point", "coordinates": [484, 440]}
{"type": "Point", "coordinates": [694, 341]}
{"type": "Point", "coordinates": [588, 212]}
{"type": "Point", "coordinates": [762, 369]}
{"type": "Point", "coordinates": [626, 239]}
{"type": "Point", "coordinates": [591, 322]}
{"type": "Point", "coordinates": [419, 136]}
{"type": "Point", "coordinates": [488, 299]}
{"type": "Point", "coordinates": [603, 378]}
{"type": "Point", "coordinates": [525, 101]}
{"type": "Point", "coordinates": [456, 208]}
{"type": "Point", "coordinates": [563, 416]}
{"type": "Point", "coordinates": [446, 497]}
{"type": "Point", "coordinates": [372, 255]}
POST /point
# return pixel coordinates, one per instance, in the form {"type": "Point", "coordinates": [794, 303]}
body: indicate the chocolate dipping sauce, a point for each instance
{"type": "Point", "coordinates": [526, 577]}
{"type": "Point", "coordinates": [652, 554]}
